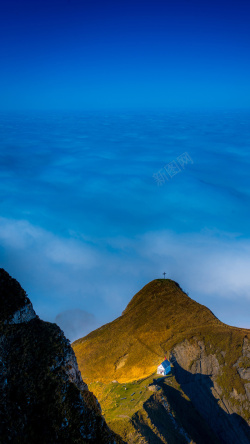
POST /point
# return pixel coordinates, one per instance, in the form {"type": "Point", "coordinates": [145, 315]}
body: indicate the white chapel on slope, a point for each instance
{"type": "Point", "coordinates": [164, 368]}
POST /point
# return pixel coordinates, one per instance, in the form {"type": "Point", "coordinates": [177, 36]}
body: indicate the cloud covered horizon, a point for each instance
{"type": "Point", "coordinates": [84, 225]}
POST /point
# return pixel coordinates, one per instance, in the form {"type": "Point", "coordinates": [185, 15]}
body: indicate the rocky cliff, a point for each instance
{"type": "Point", "coordinates": [43, 397]}
{"type": "Point", "coordinates": [203, 375]}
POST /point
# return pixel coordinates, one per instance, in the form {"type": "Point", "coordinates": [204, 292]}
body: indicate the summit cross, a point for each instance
{"type": "Point", "coordinates": [164, 274]}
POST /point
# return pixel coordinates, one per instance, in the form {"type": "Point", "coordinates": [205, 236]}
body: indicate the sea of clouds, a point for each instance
{"type": "Point", "coordinates": [95, 205]}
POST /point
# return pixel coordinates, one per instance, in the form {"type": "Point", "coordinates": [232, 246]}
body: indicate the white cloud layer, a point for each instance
{"type": "Point", "coordinates": [84, 225]}
{"type": "Point", "coordinates": [70, 274]}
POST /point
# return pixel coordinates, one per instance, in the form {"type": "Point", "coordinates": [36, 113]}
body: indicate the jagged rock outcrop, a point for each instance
{"type": "Point", "coordinates": [43, 397]}
{"type": "Point", "coordinates": [24, 314]}
{"type": "Point", "coordinates": [245, 358]}
{"type": "Point", "coordinates": [199, 372]}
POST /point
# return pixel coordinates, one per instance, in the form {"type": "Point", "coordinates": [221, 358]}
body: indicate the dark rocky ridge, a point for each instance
{"type": "Point", "coordinates": [14, 302]}
{"type": "Point", "coordinates": [43, 397]}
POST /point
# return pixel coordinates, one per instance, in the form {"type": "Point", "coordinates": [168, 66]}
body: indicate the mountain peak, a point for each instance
{"type": "Point", "coordinates": [210, 360]}
{"type": "Point", "coordinates": [164, 301]}
{"type": "Point", "coordinates": [157, 317]}
{"type": "Point", "coordinates": [158, 290]}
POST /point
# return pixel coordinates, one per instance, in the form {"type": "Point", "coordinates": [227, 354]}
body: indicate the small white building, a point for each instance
{"type": "Point", "coordinates": [164, 368]}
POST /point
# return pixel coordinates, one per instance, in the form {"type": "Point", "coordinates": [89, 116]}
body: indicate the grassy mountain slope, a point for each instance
{"type": "Point", "coordinates": [162, 320]}
{"type": "Point", "coordinates": [153, 410]}
{"type": "Point", "coordinates": [158, 317]}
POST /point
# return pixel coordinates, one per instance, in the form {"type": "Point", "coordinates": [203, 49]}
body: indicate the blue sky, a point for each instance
{"type": "Point", "coordinates": [96, 99]}
{"type": "Point", "coordinates": [74, 54]}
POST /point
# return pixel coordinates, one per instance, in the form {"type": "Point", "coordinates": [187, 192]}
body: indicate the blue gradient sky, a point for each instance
{"type": "Point", "coordinates": [76, 54]}
{"type": "Point", "coordinates": [95, 98]}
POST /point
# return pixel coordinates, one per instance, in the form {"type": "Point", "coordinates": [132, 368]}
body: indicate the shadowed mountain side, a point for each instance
{"type": "Point", "coordinates": [173, 418]}
{"type": "Point", "coordinates": [188, 416]}
{"type": "Point", "coordinates": [230, 428]}
{"type": "Point", "coordinates": [43, 397]}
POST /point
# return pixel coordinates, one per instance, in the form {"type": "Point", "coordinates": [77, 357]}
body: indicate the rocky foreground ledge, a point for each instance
{"type": "Point", "coordinates": [43, 398]}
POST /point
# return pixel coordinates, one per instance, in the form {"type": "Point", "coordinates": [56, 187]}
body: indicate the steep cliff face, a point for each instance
{"type": "Point", "coordinates": [43, 397]}
{"type": "Point", "coordinates": [201, 371]}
